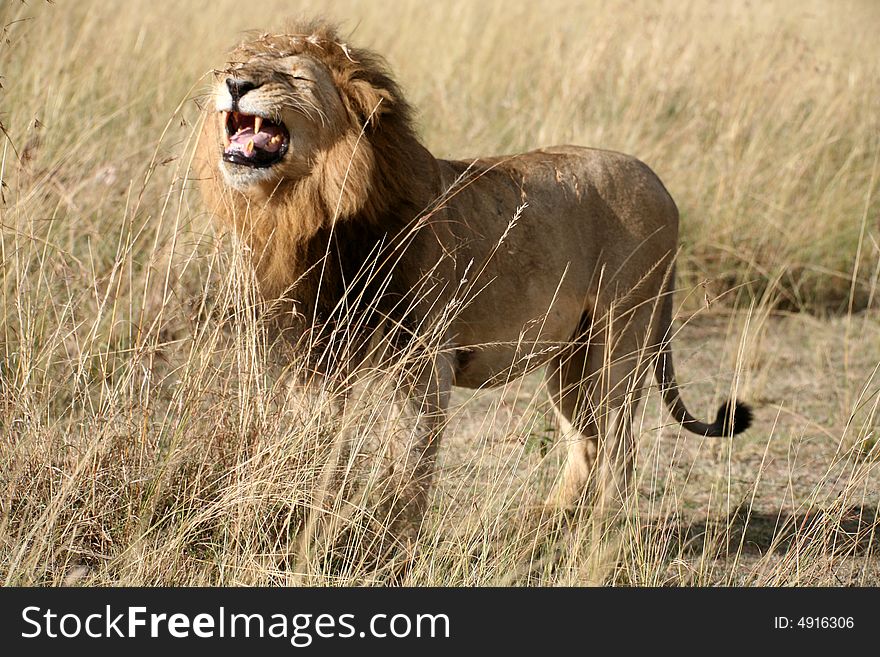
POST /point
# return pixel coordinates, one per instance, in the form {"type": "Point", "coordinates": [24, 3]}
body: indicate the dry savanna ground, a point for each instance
{"type": "Point", "coordinates": [148, 436]}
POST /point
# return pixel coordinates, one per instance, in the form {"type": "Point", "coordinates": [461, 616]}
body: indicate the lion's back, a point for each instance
{"type": "Point", "coordinates": [606, 190]}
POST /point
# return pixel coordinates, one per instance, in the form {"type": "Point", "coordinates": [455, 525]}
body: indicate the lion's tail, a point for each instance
{"type": "Point", "coordinates": [732, 418]}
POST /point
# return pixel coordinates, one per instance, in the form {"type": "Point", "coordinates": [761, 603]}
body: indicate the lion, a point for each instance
{"type": "Point", "coordinates": [560, 257]}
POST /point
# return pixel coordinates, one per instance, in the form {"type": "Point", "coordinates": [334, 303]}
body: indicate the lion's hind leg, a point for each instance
{"type": "Point", "coordinates": [627, 355]}
{"type": "Point", "coordinates": [569, 378]}
{"type": "Point", "coordinates": [596, 386]}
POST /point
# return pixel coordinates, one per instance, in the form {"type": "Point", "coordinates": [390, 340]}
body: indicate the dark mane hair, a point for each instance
{"type": "Point", "coordinates": [311, 240]}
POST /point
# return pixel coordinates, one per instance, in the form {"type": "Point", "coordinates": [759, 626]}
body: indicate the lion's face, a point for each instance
{"type": "Point", "coordinates": [275, 115]}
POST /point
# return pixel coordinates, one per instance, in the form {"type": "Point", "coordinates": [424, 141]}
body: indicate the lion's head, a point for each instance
{"type": "Point", "coordinates": [303, 105]}
{"type": "Point", "coordinates": [304, 133]}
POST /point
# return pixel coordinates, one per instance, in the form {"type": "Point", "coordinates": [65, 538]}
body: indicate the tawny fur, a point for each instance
{"type": "Point", "coordinates": [581, 281]}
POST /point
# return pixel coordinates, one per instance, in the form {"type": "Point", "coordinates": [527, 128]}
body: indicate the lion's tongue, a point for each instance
{"type": "Point", "coordinates": [265, 140]}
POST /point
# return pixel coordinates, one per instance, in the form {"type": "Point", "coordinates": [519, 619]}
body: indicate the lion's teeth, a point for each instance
{"type": "Point", "coordinates": [225, 117]}
{"type": "Point", "coordinates": [250, 147]}
{"type": "Point", "coordinates": [258, 123]}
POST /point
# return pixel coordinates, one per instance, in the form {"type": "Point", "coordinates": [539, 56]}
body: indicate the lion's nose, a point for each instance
{"type": "Point", "coordinates": [238, 88]}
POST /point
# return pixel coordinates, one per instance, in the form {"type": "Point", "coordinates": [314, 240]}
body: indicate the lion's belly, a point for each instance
{"type": "Point", "coordinates": [499, 344]}
{"type": "Point", "coordinates": [482, 368]}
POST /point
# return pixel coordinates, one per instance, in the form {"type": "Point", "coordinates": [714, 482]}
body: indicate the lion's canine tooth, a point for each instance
{"type": "Point", "coordinates": [225, 129]}
{"type": "Point", "coordinates": [250, 147]}
{"type": "Point", "coordinates": [258, 123]}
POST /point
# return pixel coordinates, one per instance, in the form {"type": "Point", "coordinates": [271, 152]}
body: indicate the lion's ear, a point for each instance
{"type": "Point", "coordinates": [367, 101]}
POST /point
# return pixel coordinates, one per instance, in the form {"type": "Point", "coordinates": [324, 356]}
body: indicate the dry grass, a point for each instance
{"type": "Point", "coordinates": [148, 437]}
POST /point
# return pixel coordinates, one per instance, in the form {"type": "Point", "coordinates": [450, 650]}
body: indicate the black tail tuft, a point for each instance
{"type": "Point", "coordinates": [742, 419]}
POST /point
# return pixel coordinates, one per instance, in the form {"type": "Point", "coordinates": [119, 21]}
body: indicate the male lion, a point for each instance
{"type": "Point", "coordinates": [561, 256]}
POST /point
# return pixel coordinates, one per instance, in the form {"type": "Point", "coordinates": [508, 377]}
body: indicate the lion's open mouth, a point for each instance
{"type": "Point", "coordinates": [253, 141]}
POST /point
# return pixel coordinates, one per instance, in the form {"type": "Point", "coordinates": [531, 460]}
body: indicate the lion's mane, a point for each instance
{"type": "Point", "coordinates": [315, 234]}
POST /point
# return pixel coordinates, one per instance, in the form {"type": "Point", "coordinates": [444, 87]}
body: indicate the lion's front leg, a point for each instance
{"type": "Point", "coordinates": [425, 389]}
{"type": "Point", "coordinates": [367, 514]}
